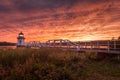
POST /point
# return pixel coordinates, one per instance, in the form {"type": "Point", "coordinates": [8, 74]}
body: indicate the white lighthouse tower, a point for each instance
{"type": "Point", "coordinates": [20, 40]}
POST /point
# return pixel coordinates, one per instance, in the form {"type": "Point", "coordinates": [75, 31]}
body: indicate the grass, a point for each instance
{"type": "Point", "coordinates": [55, 64]}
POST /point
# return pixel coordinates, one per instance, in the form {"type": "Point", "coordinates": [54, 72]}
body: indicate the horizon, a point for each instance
{"type": "Point", "coordinates": [76, 20]}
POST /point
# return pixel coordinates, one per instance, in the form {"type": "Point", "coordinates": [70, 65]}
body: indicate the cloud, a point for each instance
{"type": "Point", "coordinates": [51, 19]}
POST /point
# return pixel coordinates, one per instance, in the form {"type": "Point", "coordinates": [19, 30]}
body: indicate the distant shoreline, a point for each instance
{"type": "Point", "coordinates": [7, 44]}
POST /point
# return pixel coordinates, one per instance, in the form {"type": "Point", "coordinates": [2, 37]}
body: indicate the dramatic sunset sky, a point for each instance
{"type": "Point", "coordinates": [76, 20]}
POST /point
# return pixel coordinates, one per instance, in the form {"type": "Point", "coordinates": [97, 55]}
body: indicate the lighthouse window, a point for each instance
{"type": "Point", "coordinates": [21, 35]}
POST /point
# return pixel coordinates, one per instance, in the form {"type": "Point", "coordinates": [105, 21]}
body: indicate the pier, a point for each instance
{"type": "Point", "coordinates": [98, 46]}
{"type": "Point", "coordinates": [105, 46]}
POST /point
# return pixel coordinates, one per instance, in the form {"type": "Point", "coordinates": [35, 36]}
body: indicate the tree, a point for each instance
{"type": "Point", "coordinates": [119, 38]}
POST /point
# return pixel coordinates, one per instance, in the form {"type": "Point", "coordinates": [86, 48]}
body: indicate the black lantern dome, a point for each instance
{"type": "Point", "coordinates": [21, 33]}
{"type": "Point", "coordinates": [21, 36]}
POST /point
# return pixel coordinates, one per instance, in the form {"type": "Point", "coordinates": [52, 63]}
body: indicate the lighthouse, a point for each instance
{"type": "Point", "coordinates": [20, 40]}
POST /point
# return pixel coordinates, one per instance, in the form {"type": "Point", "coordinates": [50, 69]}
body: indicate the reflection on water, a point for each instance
{"type": "Point", "coordinates": [11, 47]}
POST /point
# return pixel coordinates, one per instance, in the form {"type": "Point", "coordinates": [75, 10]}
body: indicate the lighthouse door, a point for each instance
{"type": "Point", "coordinates": [20, 41]}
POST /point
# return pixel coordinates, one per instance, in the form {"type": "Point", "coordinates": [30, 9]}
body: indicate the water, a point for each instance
{"type": "Point", "coordinates": [11, 47]}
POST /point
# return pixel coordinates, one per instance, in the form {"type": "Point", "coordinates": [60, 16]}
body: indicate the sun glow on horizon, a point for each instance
{"type": "Point", "coordinates": [88, 38]}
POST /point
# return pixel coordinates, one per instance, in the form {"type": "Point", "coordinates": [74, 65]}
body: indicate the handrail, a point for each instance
{"type": "Point", "coordinates": [107, 45]}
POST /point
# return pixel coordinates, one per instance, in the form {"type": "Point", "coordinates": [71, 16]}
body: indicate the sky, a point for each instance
{"type": "Point", "coordinates": [76, 20]}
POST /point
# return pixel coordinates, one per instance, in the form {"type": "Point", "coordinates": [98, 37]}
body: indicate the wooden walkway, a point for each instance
{"type": "Point", "coordinates": [105, 46]}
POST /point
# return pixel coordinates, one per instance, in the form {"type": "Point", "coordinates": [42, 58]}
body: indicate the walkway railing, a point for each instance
{"type": "Point", "coordinates": [108, 46]}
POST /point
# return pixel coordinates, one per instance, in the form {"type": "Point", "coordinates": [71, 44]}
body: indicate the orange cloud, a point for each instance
{"type": "Point", "coordinates": [76, 20]}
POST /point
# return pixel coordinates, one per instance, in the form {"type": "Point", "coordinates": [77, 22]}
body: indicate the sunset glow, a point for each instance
{"type": "Point", "coordinates": [76, 20]}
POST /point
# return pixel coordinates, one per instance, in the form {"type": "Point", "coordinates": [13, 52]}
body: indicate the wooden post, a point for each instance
{"type": "Point", "coordinates": [60, 43]}
{"type": "Point", "coordinates": [91, 45]}
{"type": "Point", "coordinates": [85, 45]}
{"type": "Point", "coordinates": [78, 49]}
{"type": "Point", "coordinates": [54, 42]}
{"type": "Point", "coordinates": [49, 43]}
{"type": "Point", "coordinates": [98, 45]}
{"type": "Point", "coordinates": [80, 44]}
{"type": "Point", "coordinates": [114, 45]}
{"type": "Point", "coordinates": [108, 45]}
{"type": "Point", "coordinates": [68, 45]}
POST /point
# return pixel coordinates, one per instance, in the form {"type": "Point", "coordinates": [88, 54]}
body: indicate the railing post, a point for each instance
{"type": "Point", "coordinates": [66, 43]}
{"type": "Point", "coordinates": [114, 45]}
{"type": "Point", "coordinates": [108, 45]}
{"type": "Point", "coordinates": [91, 45]}
{"type": "Point", "coordinates": [49, 43]}
{"type": "Point", "coordinates": [98, 45]}
{"type": "Point", "coordinates": [54, 43]}
{"type": "Point", "coordinates": [78, 48]}
{"type": "Point", "coordinates": [85, 45]}
{"type": "Point", "coordinates": [60, 43]}
{"type": "Point", "coordinates": [68, 46]}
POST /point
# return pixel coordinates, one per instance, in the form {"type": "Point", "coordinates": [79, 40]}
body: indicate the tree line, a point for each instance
{"type": "Point", "coordinates": [6, 44]}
